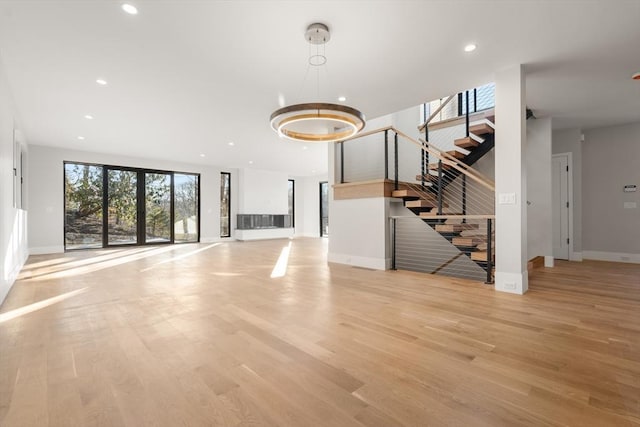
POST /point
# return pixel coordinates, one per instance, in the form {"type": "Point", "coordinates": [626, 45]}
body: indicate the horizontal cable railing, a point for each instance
{"type": "Point", "coordinates": [447, 247]}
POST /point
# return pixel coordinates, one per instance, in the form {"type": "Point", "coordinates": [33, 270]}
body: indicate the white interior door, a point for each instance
{"type": "Point", "coordinates": [560, 205]}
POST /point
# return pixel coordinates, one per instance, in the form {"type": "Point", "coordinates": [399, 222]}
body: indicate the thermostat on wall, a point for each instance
{"type": "Point", "coordinates": [629, 188]}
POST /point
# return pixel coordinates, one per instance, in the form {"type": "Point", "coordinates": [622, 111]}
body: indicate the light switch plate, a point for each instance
{"type": "Point", "coordinates": [630, 205]}
{"type": "Point", "coordinates": [507, 198]}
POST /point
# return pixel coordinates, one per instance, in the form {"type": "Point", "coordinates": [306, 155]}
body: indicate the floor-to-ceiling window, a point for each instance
{"type": "Point", "coordinates": [225, 204]}
{"type": "Point", "coordinates": [324, 209]}
{"type": "Point", "coordinates": [292, 201]}
{"type": "Point", "coordinates": [114, 206]}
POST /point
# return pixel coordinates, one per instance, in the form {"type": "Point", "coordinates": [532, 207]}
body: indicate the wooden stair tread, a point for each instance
{"type": "Point", "coordinates": [480, 256]}
{"type": "Point", "coordinates": [466, 142]}
{"type": "Point", "coordinates": [407, 192]}
{"type": "Point", "coordinates": [434, 166]}
{"type": "Point", "coordinates": [468, 241]}
{"type": "Point", "coordinates": [421, 203]}
{"type": "Point", "coordinates": [455, 228]}
{"type": "Point", "coordinates": [456, 154]}
{"type": "Point", "coordinates": [481, 129]}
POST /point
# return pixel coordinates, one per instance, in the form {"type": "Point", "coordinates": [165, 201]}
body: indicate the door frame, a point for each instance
{"type": "Point", "coordinates": [569, 156]}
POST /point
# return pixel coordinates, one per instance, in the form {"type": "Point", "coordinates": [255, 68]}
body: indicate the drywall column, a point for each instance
{"type": "Point", "coordinates": [511, 190]}
{"type": "Point", "coordinates": [539, 206]}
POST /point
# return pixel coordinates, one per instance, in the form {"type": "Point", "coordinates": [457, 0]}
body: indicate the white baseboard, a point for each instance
{"type": "Point", "coordinates": [514, 283]}
{"type": "Point", "coordinates": [612, 256]}
{"type": "Point", "coordinates": [359, 261]}
{"type": "Point", "coordinates": [575, 256]}
{"type": "Point", "coordinates": [43, 250]}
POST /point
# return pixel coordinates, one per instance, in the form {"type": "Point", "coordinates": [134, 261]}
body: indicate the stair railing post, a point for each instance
{"type": "Point", "coordinates": [422, 171]}
{"type": "Point", "coordinates": [386, 154]}
{"type": "Point", "coordinates": [464, 197]}
{"type": "Point", "coordinates": [426, 146]}
{"type": "Point", "coordinates": [489, 254]}
{"type": "Point", "coordinates": [393, 243]}
{"type": "Point", "coordinates": [395, 149]}
{"type": "Point", "coordinates": [341, 162]}
{"type": "Point", "coordinates": [440, 187]}
{"type": "Point", "coordinates": [466, 95]}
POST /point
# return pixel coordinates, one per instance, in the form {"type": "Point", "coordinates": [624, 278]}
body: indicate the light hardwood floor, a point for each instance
{"type": "Point", "coordinates": [201, 335]}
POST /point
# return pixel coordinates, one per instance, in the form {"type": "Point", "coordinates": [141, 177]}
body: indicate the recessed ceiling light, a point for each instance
{"type": "Point", "coordinates": [250, 162]}
{"type": "Point", "coordinates": [88, 117]}
{"type": "Point", "coordinates": [304, 147]}
{"type": "Point", "coordinates": [201, 155]}
{"type": "Point", "coordinates": [470, 47]}
{"type": "Point", "coordinates": [636, 76]}
{"type": "Point", "coordinates": [231, 143]}
{"type": "Point", "coordinates": [101, 82]}
{"type": "Point", "coordinates": [130, 9]}
{"type": "Point", "coordinates": [313, 171]}
{"type": "Point", "coordinates": [81, 138]}
{"type": "Point", "coordinates": [342, 98]}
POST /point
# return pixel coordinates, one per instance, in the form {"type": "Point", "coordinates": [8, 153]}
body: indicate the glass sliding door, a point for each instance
{"type": "Point", "coordinates": [83, 206]}
{"type": "Point", "coordinates": [157, 208]}
{"type": "Point", "coordinates": [122, 207]}
{"type": "Point", "coordinates": [186, 223]}
{"type": "Point", "coordinates": [116, 205]}
{"type": "Point", "coordinates": [324, 209]}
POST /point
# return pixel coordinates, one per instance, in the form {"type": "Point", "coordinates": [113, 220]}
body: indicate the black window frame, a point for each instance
{"type": "Point", "coordinates": [140, 201]}
{"type": "Point", "coordinates": [228, 178]}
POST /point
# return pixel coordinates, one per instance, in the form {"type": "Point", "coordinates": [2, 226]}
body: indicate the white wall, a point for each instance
{"type": "Point", "coordinates": [46, 192]}
{"type": "Point", "coordinates": [358, 232]}
{"type": "Point", "coordinates": [13, 221]}
{"type": "Point", "coordinates": [568, 141]}
{"type": "Point", "coordinates": [263, 192]}
{"type": "Point", "coordinates": [538, 165]}
{"type": "Point", "coordinates": [611, 160]}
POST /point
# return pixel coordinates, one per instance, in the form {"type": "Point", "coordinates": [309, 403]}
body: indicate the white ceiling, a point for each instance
{"type": "Point", "coordinates": [187, 77]}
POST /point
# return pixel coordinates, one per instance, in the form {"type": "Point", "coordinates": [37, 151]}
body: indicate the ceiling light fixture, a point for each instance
{"type": "Point", "coordinates": [81, 138]}
{"type": "Point", "coordinates": [88, 117]}
{"type": "Point", "coordinates": [470, 47]}
{"type": "Point", "coordinates": [317, 121]}
{"type": "Point", "coordinates": [101, 82]}
{"type": "Point", "coordinates": [201, 155]}
{"type": "Point", "coordinates": [130, 9]}
{"type": "Point", "coordinates": [231, 143]}
{"type": "Point", "coordinates": [342, 98]}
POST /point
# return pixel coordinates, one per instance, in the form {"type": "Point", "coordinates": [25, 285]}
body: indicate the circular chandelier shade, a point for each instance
{"type": "Point", "coordinates": [317, 122]}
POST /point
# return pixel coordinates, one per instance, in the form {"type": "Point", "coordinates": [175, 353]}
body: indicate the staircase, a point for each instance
{"type": "Point", "coordinates": [429, 199]}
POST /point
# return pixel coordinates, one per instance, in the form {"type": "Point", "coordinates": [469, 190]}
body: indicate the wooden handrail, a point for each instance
{"type": "Point", "coordinates": [442, 155]}
{"type": "Point", "coordinates": [363, 134]}
{"type": "Point", "coordinates": [435, 113]}
{"type": "Point", "coordinates": [453, 162]}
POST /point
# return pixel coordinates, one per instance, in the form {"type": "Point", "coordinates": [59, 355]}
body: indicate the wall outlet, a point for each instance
{"type": "Point", "coordinates": [510, 285]}
{"type": "Point", "coordinates": [630, 205]}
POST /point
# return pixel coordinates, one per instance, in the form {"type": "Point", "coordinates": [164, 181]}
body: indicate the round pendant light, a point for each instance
{"type": "Point", "coordinates": [317, 121]}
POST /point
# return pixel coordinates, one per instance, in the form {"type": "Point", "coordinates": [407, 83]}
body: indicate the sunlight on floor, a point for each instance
{"type": "Point", "coordinates": [90, 265]}
{"type": "Point", "coordinates": [175, 258]}
{"type": "Point", "coordinates": [280, 269]}
{"type": "Point", "coordinates": [12, 314]}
